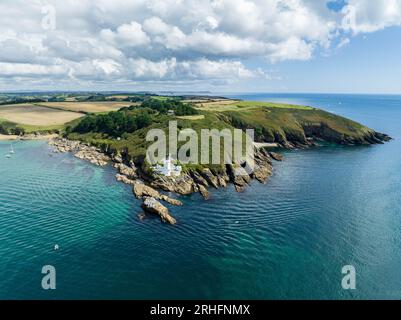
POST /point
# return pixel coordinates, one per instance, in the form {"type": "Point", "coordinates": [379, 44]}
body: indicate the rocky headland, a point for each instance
{"type": "Point", "coordinates": [146, 185]}
{"type": "Point", "coordinates": [149, 186]}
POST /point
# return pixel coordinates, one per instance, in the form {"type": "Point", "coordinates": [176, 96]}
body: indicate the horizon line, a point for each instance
{"type": "Point", "coordinates": [201, 92]}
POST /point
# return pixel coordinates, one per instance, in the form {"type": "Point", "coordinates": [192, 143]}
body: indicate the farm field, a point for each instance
{"type": "Point", "coordinates": [33, 115]}
{"type": "Point", "coordinates": [87, 107]}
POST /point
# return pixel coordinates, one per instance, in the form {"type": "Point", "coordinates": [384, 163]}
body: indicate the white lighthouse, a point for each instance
{"type": "Point", "coordinates": [168, 168]}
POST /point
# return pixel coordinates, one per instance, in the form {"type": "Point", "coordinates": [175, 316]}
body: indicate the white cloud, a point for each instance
{"type": "Point", "coordinates": [363, 16]}
{"type": "Point", "coordinates": [176, 40]}
{"type": "Point", "coordinates": [126, 35]}
{"type": "Point", "coordinates": [26, 69]}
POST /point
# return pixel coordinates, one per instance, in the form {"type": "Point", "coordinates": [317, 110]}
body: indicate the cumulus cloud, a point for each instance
{"type": "Point", "coordinates": [363, 16]}
{"type": "Point", "coordinates": [175, 40]}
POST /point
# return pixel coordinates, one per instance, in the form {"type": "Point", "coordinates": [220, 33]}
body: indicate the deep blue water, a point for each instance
{"type": "Point", "coordinates": [322, 209]}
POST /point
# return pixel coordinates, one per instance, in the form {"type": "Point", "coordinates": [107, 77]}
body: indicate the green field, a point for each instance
{"type": "Point", "coordinates": [272, 122]}
{"type": "Point", "coordinates": [251, 104]}
{"type": "Point", "coordinates": [232, 105]}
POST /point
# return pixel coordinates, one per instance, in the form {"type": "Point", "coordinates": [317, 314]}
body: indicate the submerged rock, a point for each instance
{"type": "Point", "coordinates": [141, 216]}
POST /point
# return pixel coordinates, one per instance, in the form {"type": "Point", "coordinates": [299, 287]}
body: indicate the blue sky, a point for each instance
{"type": "Point", "coordinates": [337, 46]}
{"type": "Point", "coordinates": [368, 64]}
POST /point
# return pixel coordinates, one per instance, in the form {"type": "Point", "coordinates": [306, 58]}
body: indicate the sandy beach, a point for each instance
{"type": "Point", "coordinates": [27, 137]}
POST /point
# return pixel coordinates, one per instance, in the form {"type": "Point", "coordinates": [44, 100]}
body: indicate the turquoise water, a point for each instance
{"type": "Point", "coordinates": [322, 209]}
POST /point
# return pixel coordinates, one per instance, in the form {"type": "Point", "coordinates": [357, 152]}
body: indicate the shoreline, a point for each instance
{"type": "Point", "coordinates": [153, 188]}
{"type": "Point", "coordinates": [4, 137]}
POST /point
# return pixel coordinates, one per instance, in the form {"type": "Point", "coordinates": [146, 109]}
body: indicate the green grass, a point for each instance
{"type": "Point", "coordinates": [162, 98]}
{"type": "Point", "coordinates": [29, 128]}
{"type": "Point", "coordinates": [41, 129]}
{"type": "Point", "coordinates": [271, 105]}
{"type": "Point", "coordinates": [272, 123]}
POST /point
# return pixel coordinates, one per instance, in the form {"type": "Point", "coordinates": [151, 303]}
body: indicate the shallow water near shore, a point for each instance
{"type": "Point", "coordinates": [322, 209]}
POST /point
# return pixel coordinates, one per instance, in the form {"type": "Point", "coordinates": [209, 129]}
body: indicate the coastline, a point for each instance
{"type": "Point", "coordinates": [149, 187]}
{"type": "Point", "coordinates": [333, 190]}
{"type": "Point", "coordinates": [146, 184]}
{"type": "Point", "coordinates": [4, 137]}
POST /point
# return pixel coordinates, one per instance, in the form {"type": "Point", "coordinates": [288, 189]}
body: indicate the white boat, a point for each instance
{"type": "Point", "coordinates": [8, 156]}
{"type": "Point", "coordinates": [11, 149]}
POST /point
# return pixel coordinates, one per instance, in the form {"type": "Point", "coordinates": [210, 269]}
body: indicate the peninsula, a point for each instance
{"type": "Point", "coordinates": [103, 128]}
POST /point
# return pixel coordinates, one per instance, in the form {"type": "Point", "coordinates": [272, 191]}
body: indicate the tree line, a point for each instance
{"type": "Point", "coordinates": [123, 121]}
{"type": "Point", "coordinates": [114, 123]}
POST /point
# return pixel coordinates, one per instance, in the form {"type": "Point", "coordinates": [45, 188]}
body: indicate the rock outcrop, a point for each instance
{"type": "Point", "coordinates": [153, 206]}
{"type": "Point", "coordinates": [276, 156]}
{"type": "Point", "coordinates": [92, 155]}
{"type": "Point", "coordinates": [210, 178]}
{"type": "Point", "coordinates": [81, 151]}
{"type": "Point", "coordinates": [124, 179]}
{"type": "Point", "coordinates": [142, 191]}
{"type": "Point", "coordinates": [182, 185]}
{"type": "Point", "coordinates": [128, 171]}
{"type": "Point", "coordinates": [203, 191]}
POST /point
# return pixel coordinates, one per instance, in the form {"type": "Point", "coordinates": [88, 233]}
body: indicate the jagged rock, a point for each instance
{"type": "Point", "coordinates": [64, 145]}
{"type": "Point", "coordinates": [262, 172]}
{"type": "Point", "coordinates": [124, 179]}
{"type": "Point", "coordinates": [171, 201]}
{"type": "Point", "coordinates": [117, 158]}
{"type": "Point", "coordinates": [239, 188]}
{"type": "Point", "coordinates": [276, 156]}
{"type": "Point", "coordinates": [199, 179]}
{"type": "Point", "coordinates": [82, 151]}
{"type": "Point", "coordinates": [239, 177]}
{"type": "Point", "coordinates": [93, 156]}
{"type": "Point", "coordinates": [183, 184]}
{"type": "Point", "coordinates": [203, 191]}
{"type": "Point", "coordinates": [210, 178]}
{"type": "Point", "coordinates": [153, 206]}
{"type": "Point", "coordinates": [382, 136]}
{"type": "Point", "coordinates": [141, 216]}
{"type": "Point", "coordinates": [141, 191]}
{"type": "Point", "coordinates": [126, 170]}
{"type": "Point", "coordinates": [222, 181]}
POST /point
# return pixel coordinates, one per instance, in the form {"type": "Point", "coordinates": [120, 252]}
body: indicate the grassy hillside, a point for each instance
{"type": "Point", "coordinates": [280, 123]}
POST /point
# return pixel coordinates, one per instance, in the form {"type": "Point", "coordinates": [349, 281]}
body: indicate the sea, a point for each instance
{"type": "Point", "coordinates": [323, 209]}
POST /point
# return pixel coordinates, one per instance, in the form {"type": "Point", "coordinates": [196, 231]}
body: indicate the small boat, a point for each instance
{"type": "Point", "coordinates": [8, 156]}
{"type": "Point", "coordinates": [12, 149]}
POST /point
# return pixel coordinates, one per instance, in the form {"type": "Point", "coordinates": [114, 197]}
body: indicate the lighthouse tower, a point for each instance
{"type": "Point", "coordinates": [168, 166]}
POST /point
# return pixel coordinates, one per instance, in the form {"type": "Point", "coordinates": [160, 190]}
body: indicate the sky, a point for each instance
{"type": "Point", "coordinates": [326, 46]}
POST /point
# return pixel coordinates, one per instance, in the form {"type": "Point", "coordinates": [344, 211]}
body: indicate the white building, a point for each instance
{"type": "Point", "coordinates": [168, 168]}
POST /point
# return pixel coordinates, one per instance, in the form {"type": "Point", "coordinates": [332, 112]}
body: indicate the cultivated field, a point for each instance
{"type": "Point", "coordinates": [33, 115]}
{"type": "Point", "coordinates": [92, 107]}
